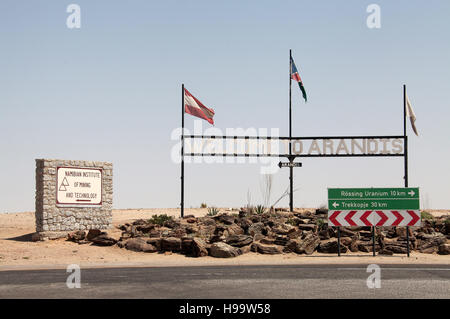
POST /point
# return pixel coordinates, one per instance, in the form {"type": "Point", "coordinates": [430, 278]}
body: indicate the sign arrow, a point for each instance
{"type": "Point", "coordinates": [398, 216]}
{"type": "Point", "coordinates": [412, 193]}
{"type": "Point", "coordinates": [383, 219]}
{"type": "Point", "coordinates": [364, 218]}
{"type": "Point", "coordinates": [415, 217]}
{"type": "Point", "coordinates": [335, 204]}
{"type": "Point", "coordinates": [332, 218]}
{"type": "Point", "coordinates": [349, 216]}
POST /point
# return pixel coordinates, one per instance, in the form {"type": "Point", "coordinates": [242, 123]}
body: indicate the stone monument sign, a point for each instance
{"type": "Point", "coordinates": [72, 195]}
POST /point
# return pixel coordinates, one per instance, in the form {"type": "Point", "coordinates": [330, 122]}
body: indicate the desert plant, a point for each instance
{"type": "Point", "coordinates": [260, 209]}
{"type": "Point", "coordinates": [160, 219]}
{"type": "Point", "coordinates": [203, 205]}
{"type": "Point", "coordinates": [266, 188]}
{"type": "Point", "coordinates": [320, 223]}
{"type": "Point", "coordinates": [426, 215]}
{"type": "Point", "coordinates": [212, 211]}
{"type": "Point", "coordinates": [291, 221]}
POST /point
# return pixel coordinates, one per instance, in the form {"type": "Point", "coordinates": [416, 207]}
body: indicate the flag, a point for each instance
{"type": "Point", "coordinates": [295, 76]}
{"type": "Point", "coordinates": [196, 108]}
{"type": "Point", "coordinates": [412, 116]}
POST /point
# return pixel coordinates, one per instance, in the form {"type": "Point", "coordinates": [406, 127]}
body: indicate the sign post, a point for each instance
{"type": "Point", "coordinates": [374, 207]}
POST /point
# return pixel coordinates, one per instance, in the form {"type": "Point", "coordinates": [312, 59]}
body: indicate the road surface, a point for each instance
{"type": "Point", "coordinates": [307, 281]}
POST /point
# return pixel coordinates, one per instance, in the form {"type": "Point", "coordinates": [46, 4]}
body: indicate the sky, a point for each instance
{"type": "Point", "coordinates": [111, 91]}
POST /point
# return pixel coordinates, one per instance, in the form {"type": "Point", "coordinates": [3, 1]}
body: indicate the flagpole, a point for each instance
{"type": "Point", "coordinates": [182, 150]}
{"type": "Point", "coordinates": [291, 169]}
{"type": "Point", "coordinates": [406, 158]}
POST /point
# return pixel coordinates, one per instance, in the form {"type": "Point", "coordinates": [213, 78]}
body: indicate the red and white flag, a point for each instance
{"type": "Point", "coordinates": [196, 108]}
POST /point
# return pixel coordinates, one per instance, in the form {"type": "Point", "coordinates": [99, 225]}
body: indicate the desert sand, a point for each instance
{"type": "Point", "coordinates": [17, 251]}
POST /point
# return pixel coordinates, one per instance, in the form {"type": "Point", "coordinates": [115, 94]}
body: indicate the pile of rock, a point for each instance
{"type": "Point", "coordinates": [275, 232]}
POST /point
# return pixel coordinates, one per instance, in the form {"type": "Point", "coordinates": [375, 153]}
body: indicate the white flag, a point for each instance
{"type": "Point", "coordinates": [412, 116]}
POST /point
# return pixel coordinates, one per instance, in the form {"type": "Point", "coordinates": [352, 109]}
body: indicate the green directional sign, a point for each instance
{"type": "Point", "coordinates": [373, 198]}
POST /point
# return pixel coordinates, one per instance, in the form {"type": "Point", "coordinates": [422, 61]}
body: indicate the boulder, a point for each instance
{"type": "Point", "coordinates": [103, 240]}
{"type": "Point", "coordinates": [139, 244]}
{"type": "Point", "coordinates": [311, 227]}
{"type": "Point", "coordinates": [256, 229]}
{"type": "Point", "coordinates": [331, 247]}
{"type": "Point", "coordinates": [232, 230]}
{"type": "Point", "coordinates": [309, 243]}
{"type": "Point", "coordinates": [267, 249]}
{"type": "Point", "coordinates": [281, 240]}
{"type": "Point", "coordinates": [93, 233]}
{"type": "Point", "coordinates": [429, 243]}
{"type": "Point", "coordinates": [171, 244]}
{"type": "Point", "coordinates": [239, 240]}
{"type": "Point", "coordinates": [156, 241]}
{"type": "Point", "coordinates": [225, 218]}
{"type": "Point", "coordinates": [77, 236]}
{"type": "Point", "coordinates": [444, 249]}
{"type": "Point", "coordinates": [199, 247]}
{"type": "Point", "coordinates": [385, 251]}
{"type": "Point", "coordinates": [222, 250]}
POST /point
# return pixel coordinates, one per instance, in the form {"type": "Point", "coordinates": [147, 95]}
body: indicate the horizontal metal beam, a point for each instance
{"type": "Point", "coordinates": [293, 138]}
{"type": "Point", "coordinates": [293, 155]}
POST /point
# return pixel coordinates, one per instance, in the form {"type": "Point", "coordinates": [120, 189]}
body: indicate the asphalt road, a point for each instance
{"type": "Point", "coordinates": [311, 281]}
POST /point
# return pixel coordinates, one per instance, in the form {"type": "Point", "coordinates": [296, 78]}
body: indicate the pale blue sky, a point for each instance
{"type": "Point", "coordinates": [110, 91]}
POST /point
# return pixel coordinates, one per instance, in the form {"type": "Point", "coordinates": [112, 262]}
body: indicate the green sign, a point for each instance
{"type": "Point", "coordinates": [373, 198]}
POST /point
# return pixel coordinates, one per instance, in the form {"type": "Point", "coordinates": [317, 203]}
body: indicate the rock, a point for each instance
{"type": "Point", "coordinates": [401, 232]}
{"type": "Point", "coordinates": [429, 243]}
{"type": "Point", "coordinates": [191, 220]}
{"type": "Point", "coordinates": [396, 248]}
{"type": "Point", "coordinates": [311, 227]}
{"type": "Point", "coordinates": [324, 234]}
{"type": "Point", "coordinates": [232, 230]}
{"type": "Point", "coordinates": [171, 244]}
{"type": "Point", "coordinates": [222, 250]}
{"type": "Point", "coordinates": [239, 240]}
{"type": "Point", "coordinates": [199, 247]}
{"type": "Point", "coordinates": [267, 241]}
{"type": "Point", "coordinates": [385, 251]}
{"type": "Point", "coordinates": [281, 240]}
{"type": "Point", "coordinates": [186, 245]}
{"type": "Point", "coordinates": [267, 249]}
{"type": "Point", "coordinates": [256, 229]}
{"type": "Point", "coordinates": [309, 243]}
{"type": "Point", "coordinates": [282, 229]}
{"type": "Point", "coordinates": [156, 241]}
{"type": "Point", "coordinates": [77, 236]}
{"type": "Point", "coordinates": [245, 249]}
{"type": "Point", "coordinates": [346, 241]}
{"type": "Point", "coordinates": [245, 223]}
{"type": "Point", "coordinates": [224, 218]}
{"type": "Point", "coordinates": [93, 233]}
{"type": "Point", "coordinates": [103, 240]}
{"type": "Point", "coordinates": [444, 249]}
{"type": "Point", "coordinates": [330, 247]}
{"type": "Point", "coordinates": [345, 232]}
{"type": "Point", "coordinates": [139, 244]}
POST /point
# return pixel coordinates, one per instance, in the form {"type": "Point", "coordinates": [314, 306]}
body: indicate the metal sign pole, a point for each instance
{"type": "Point", "coordinates": [406, 158]}
{"type": "Point", "coordinates": [373, 241]}
{"type": "Point", "coordinates": [339, 241]}
{"type": "Point", "coordinates": [291, 169]}
{"type": "Point", "coordinates": [182, 150]}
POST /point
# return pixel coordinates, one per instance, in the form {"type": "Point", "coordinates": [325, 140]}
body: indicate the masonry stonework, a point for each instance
{"type": "Point", "coordinates": [53, 220]}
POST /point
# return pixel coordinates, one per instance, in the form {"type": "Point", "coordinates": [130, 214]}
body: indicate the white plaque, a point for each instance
{"type": "Point", "coordinates": [78, 187]}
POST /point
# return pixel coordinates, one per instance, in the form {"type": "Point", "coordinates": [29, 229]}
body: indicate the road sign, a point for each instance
{"type": "Point", "coordinates": [79, 187]}
{"type": "Point", "coordinates": [289, 164]}
{"type": "Point", "coordinates": [373, 207]}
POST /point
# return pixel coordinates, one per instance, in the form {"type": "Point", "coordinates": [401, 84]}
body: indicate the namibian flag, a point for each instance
{"type": "Point", "coordinates": [295, 76]}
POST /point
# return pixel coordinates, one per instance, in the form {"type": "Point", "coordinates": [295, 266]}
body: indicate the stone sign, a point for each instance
{"type": "Point", "coordinates": [72, 195]}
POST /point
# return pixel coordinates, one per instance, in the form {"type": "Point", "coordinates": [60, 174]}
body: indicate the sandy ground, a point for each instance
{"type": "Point", "coordinates": [17, 251]}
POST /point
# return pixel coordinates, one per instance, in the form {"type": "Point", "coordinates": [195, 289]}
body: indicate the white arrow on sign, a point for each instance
{"type": "Point", "coordinates": [411, 193]}
{"type": "Point", "coordinates": [335, 204]}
